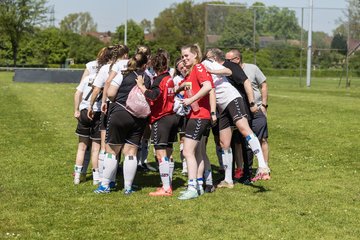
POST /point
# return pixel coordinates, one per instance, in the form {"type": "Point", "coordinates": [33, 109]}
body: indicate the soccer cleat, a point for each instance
{"type": "Point", "coordinates": [261, 174]}
{"type": "Point", "coordinates": [225, 184]}
{"type": "Point", "coordinates": [77, 178]}
{"type": "Point", "coordinates": [190, 193]}
{"type": "Point", "coordinates": [161, 192]}
{"type": "Point", "coordinates": [102, 189]}
{"type": "Point", "coordinates": [128, 191]}
{"type": "Point", "coordinates": [209, 188]}
{"type": "Point", "coordinates": [239, 172]}
{"type": "Point", "coordinates": [245, 180]}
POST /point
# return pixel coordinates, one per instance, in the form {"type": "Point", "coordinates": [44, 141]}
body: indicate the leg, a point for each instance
{"type": "Point", "coordinates": [82, 146]}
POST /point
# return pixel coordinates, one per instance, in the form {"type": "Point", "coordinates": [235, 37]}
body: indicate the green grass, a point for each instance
{"type": "Point", "coordinates": [314, 192]}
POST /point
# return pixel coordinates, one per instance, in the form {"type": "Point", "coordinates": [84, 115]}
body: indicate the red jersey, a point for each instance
{"type": "Point", "coordinates": [161, 97]}
{"type": "Point", "coordinates": [197, 77]}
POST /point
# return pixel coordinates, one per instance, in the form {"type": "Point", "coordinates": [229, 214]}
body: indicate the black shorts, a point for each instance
{"type": "Point", "coordinates": [234, 111]}
{"type": "Point", "coordinates": [196, 128]}
{"type": "Point", "coordinates": [181, 123]}
{"type": "Point", "coordinates": [259, 125]}
{"type": "Point", "coordinates": [123, 128]}
{"type": "Point", "coordinates": [215, 129]}
{"type": "Point", "coordinates": [164, 131]}
{"type": "Point", "coordinates": [87, 127]}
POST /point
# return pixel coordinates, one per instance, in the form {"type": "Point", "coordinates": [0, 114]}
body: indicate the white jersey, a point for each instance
{"type": "Point", "coordinates": [256, 78]}
{"type": "Point", "coordinates": [86, 88]}
{"type": "Point", "coordinates": [225, 92]}
{"type": "Point", "coordinates": [92, 67]}
{"type": "Point", "coordinates": [117, 80]}
{"type": "Point", "coordinates": [120, 65]}
{"type": "Point", "coordinates": [102, 75]}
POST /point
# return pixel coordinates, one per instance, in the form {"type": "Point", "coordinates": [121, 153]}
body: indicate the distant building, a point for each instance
{"type": "Point", "coordinates": [104, 37]}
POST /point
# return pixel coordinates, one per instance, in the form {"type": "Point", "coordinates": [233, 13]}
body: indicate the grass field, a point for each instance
{"type": "Point", "coordinates": [314, 192]}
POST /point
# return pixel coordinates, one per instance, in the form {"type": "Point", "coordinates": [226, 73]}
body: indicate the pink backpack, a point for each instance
{"type": "Point", "coordinates": [136, 103]}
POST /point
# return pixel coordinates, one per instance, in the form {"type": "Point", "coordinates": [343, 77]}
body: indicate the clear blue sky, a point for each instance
{"type": "Point", "coordinates": [108, 14]}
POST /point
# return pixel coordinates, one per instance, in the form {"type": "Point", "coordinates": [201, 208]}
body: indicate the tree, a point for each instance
{"type": "Point", "coordinates": [78, 23]}
{"type": "Point", "coordinates": [238, 30]}
{"type": "Point", "coordinates": [339, 43]}
{"type": "Point", "coordinates": [135, 35]}
{"type": "Point", "coordinates": [281, 23]}
{"type": "Point", "coordinates": [18, 17]}
{"type": "Point", "coordinates": [179, 25]}
{"type": "Point", "coordinates": [45, 47]}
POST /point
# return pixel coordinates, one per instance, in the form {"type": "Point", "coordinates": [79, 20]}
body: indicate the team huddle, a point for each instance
{"type": "Point", "coordinates": [121, 103]}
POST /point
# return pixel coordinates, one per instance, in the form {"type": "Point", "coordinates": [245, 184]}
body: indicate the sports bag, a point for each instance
{"type": "Point", "coordinates": [136, 103]}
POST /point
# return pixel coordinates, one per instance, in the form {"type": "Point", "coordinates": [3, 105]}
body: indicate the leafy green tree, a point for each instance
{"type": "Point", "coordinates": [135, 35]}
{"type": "Point", "coordinates": [81, 48]}
{"type": "Point", "coordinates": [281, 23]}
{"type": "Point", "coordinates": [78, 23]}
{"type": "Point", "coordinates": [339, 43]}
{"type": "Point", "coordinates": [238, 30]}
{"type": "Point", "coordinates": [18, 17]}
{"type": "Point", "coordinates": [44, 47]}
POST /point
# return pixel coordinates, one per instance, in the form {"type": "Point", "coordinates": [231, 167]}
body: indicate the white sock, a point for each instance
{"type": "Point", "coordinates": [208, 177]}
{"type": "Point", "coordinates": [227, 158]}
{"type": "Point", "coordinates": [110, 167]}
{"type": "Point", "coordinates": [192, 184]}
{"type": "Point", "coordinates": [77, 170]}
{"type": "Point", "coordinates": [164, 170]}
{"type": "Point", "coordinates": [171, 168]}
{"type": "Point", "coordinates": [101, 164]}
{"type": "Point", "coordinates": [256, 148]}
{"type": "Point", "coordinates": [129, 170]}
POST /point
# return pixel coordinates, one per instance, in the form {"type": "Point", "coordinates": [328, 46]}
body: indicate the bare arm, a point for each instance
{"type": "Point", "coordinates": [212, 96]}
{"type": "Point", "coordinates": [264, 97]}
{"type": "Point", "coordinates": [205, 89]}
{"type": "Point", "coordinates": [112, 92]}
{"type": "Point", "coordinates": [222, 72]}
{"type": "Point", "coordinates": [250, 94]}
{"type": "Point", "coordinates": [95, 93]}
{"type": "Point", "coordinates": [77, 100]}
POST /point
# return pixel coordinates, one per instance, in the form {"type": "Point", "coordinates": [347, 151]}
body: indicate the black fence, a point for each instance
{"type": "Point", "coordinates": [50, 75]}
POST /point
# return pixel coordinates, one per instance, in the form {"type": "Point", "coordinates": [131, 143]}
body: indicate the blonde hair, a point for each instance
{"type": "Point", "coordinates": [195, 49]}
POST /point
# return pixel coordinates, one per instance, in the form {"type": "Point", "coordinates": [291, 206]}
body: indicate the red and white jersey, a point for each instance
{"type": "Point", "coordinates": [197, 77]}
{"type": "Point", "coordinates": [161, 97]}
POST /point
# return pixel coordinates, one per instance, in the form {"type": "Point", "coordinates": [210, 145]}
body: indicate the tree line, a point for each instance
{"type": "Point", "coordinates": [26, 39]}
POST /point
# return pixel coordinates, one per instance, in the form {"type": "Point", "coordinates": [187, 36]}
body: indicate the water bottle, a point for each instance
{"type": "Point", "coordinates": [195, 104]}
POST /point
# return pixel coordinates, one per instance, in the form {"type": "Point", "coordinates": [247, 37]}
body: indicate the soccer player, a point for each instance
{"type": "Point", "coordinates": [235, 113]}
{"type": "Point", "coordinates": [259, 85]}
{"type": "Point", "coordinates": [124, 130]}
{"type": "Point", "coordinates": [115, 64]}
{"type": "Point", "coordinates": [163, 120]}
{"type": "Point", "coordinates": [197, 85]}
